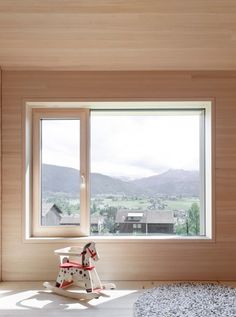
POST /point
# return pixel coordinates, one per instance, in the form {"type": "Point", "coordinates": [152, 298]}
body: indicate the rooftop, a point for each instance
{"type": "Point", "coordinates": [145, 216]}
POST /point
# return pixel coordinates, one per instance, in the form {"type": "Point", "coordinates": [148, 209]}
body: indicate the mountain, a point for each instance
{"type": "Point", "coordinates": [173, 182]}
{"type": "Point", "coordinates": [102, 184]}
{"type": "Point", "coordinates": [67, 180]}
{"type": "Point", "coordinates": [60, 179]}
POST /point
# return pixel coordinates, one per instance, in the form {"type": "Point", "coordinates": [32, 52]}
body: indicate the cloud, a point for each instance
{"type": "Point", "coordinates": [127, 145]}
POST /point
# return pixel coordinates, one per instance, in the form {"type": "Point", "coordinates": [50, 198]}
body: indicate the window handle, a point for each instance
{"type": "Point", "coordinates": [82, 183]}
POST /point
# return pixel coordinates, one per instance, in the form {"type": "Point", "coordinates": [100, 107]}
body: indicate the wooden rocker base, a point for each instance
{"type": "Point", "coordinates": [74, 295]}
{"type": "Point", "coordinates": [108, 286]}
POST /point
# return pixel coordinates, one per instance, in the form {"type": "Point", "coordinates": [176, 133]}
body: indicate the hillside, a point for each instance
{"type": "Point", "coordinates": [60, 179]}
{"type": "Point", "coordinates": [173, 182]}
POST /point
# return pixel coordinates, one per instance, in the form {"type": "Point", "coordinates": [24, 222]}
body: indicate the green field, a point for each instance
{"type": "Point", "coordinates": [183, 203]}
{"type": "Point", "coordinates": [129, 204]}
{"type": "Point", "coordinates": [145, 203]}
{"type": "Point", "coordinates": [70, 205]}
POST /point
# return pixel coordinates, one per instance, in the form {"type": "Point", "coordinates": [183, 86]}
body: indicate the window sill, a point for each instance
{"type": "Point", "coordinates": [121, 239]}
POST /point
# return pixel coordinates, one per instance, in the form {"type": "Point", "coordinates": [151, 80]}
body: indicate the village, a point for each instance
{"type": "Point", "coordinates": [128, 215]}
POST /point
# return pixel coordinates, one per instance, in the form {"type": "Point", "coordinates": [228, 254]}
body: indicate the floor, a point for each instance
{"type": "Point", "coordinates": [30, 299]}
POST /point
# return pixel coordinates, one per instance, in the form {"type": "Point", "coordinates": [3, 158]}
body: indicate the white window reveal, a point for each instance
{"type": "Point", "coordinates": [119, 169]}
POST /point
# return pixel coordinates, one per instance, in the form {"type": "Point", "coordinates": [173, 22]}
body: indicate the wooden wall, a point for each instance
{"type": "Point", "coordinates": [0, 176]}
{"type": "Point", "coordinates": [123, 261]}
{"type": "Point", "coordinates": [118, 34]}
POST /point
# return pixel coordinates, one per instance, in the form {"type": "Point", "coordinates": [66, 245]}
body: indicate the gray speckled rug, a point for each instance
{"type": "Point", "coordinates": [187, 300]}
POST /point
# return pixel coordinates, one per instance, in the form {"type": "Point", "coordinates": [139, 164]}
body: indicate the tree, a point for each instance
{"type": "Point", "coordinates": [193, 220]}
{"type": "Point", "coordinates": [109, 215]}
{"type": "Point", "coordinates": [94, 208]}
{"type": "Point", "coordinates": [180, 229]}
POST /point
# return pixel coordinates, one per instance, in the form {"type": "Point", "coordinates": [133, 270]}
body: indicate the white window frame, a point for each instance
{"type": "Point", "coordinates": [32, 229]}
{"type": "Point", "coordinates": [68, 230]}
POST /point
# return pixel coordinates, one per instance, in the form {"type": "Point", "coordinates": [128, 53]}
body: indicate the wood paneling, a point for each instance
{"type": "Point", "coordinates": [225, 153]}
{"type": "Point", "coordinates": [0, 174]}
{"type": "Point", "coordinates": [119, 261]}
{"type": "Point", "coordinates": [118, 35]}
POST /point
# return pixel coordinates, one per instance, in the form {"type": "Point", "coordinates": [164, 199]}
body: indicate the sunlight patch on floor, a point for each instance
{"type": "Point", "coordinates": [16, 300]}
{"type": "Point", "coordinates": [35, 299]}
{"type": "Point", "coordinates": [4, 291]}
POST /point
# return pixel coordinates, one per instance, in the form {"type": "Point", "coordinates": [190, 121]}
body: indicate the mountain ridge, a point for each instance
{"type": "Point", "coordinates": [172, 182]}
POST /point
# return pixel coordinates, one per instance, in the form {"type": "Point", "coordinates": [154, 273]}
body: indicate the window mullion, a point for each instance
{"type": "Point", "coordinates": [84, 168]}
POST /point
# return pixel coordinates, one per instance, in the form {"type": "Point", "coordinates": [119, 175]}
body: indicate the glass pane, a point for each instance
{"type": "Point", "coordinates": [60, 172]}
{"type": "Point", "coordinates": [145, 173]}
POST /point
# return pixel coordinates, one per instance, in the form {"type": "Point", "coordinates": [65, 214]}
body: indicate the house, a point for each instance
{"type": "Point", "coordinates": [62, 56]}
{"type": "Point", "coordinates": [51, 214]}
{"type": "Point", "coordinates": [74, 219]}
{"type": "Point", "coordinates": [145, 222]}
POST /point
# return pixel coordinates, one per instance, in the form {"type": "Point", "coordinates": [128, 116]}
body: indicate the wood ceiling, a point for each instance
{"type": "Point", "coordinates": [118, 34]}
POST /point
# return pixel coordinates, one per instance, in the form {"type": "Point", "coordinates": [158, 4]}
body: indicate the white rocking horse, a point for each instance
{"type": "Point", "coordinates": [76, 268]}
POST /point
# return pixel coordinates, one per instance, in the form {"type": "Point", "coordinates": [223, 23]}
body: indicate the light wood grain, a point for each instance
{"type": "Point", "coordinates": [118, 35]}
{"type": "Point", "coordinates": [199, 260]}
{"type": "Point", "coordinates": [0, 174]}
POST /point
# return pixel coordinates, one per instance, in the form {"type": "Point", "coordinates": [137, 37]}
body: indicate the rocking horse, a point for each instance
{"type": "Point", "coordinates": [77, 268]}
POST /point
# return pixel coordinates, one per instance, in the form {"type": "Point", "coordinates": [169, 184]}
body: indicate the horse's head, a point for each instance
{"type": "Point", "coordinates": [90, 251]}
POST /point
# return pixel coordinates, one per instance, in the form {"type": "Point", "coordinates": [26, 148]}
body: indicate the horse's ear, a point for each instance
{"type": "Point", "coordinates": [87, 245]}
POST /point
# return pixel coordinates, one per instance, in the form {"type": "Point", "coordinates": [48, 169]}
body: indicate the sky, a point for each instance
{"type": "Point", "coordinates": [126, 146]}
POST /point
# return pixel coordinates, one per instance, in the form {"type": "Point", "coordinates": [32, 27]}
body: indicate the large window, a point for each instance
{"type": "Point", "coordinates": [138, 171]}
